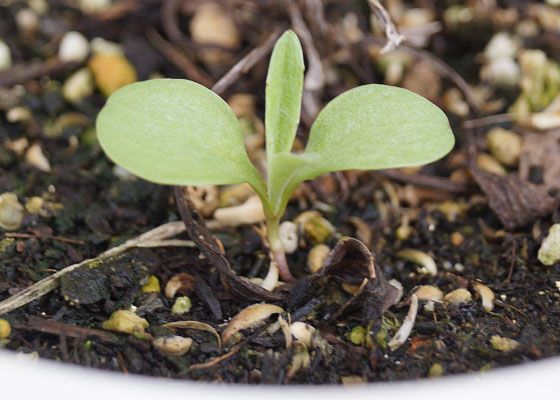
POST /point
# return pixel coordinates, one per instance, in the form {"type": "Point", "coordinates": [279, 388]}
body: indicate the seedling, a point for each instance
{"type": "Point", "coordinates": [177, 132]}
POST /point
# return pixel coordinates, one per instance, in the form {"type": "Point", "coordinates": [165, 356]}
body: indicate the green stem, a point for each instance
{"type": "Point", "coordinates": [277, 249]}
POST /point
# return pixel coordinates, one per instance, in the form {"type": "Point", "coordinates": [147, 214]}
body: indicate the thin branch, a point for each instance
{"type": "Point", "coordinates": [438, 64]}
{"type": "Point", "coordinates": [394, 38]}
{"type": "Point", "coordinates": [180, 60]}
{"type": "Point", "coordinates": [46, 285]}
{"type": "Point", "coordinates": [246, 63]}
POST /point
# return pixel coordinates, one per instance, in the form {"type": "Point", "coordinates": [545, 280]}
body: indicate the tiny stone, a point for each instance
{"type": "Point", "coordinates": [503, 344]}
{"type": "Point", "coordinates": [78, 86]}
{"type": "Point", "coordinates": [89, 6]}
{"type": "Point", "coordinates": [152, 285]}
{"type": "Point", "coordinates": [173, 345]}
{"type": "Point", "coordinates": [436, 370]}
{"type": "Point", "coordinates": [505, 146]}
{"type": "Point", "coordinates": [358, 335]}
{"type": "Point", "coordinates": [11, 212]}
{"type": "Point", "coordinates": [458, 296]}
{"type": "Point", "coordinates": [73, 47]}
{"type": "Point", "coordinates": [549, 252]}
{"type": "Point", "coordinates": [18, 114]}
{"type": "Point", "coordinates": [35, 157]}
{"type": "Point", "coordinates": [27, 20]}
{"type": "Point", "coordinates": [457, 239]}
{"type": "Point", "coordinates": [459, 267]}
{"type": "Point", "coordinates": [5, 56]}
{"type": "Point", "coordinates": [126, 322]}
{"type": "Point", "coordinates": [428, 293]}
{"type": "Point", "coordinates": [182, 305]}
{"type": "Point", "coordinates": [5, 329]}
{"type": "Point", "coordinates": [447, 265]}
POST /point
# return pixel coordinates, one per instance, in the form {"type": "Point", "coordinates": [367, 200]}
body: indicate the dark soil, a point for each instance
{"type": "Point", "coordinates": [88, 210]}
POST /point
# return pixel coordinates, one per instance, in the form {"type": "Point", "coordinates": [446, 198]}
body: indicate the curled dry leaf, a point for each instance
{"type": "Point", "coordinates": [419, 257]}
{"type": "Point", "coordinates": [208, 245]}
{"type": "Point", "coordinates": [200, 326]}
{"type": "Point", "coordinates": [352, 263]}
{"type": "Point", "coordinates": [249, 317]}
{"type": "Point", "coordinates": [516, 202]}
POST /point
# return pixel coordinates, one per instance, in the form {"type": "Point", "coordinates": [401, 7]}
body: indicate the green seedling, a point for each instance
{"type": "Point", "coordinates": [177, 132]}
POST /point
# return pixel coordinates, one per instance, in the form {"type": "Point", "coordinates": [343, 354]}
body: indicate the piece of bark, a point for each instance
{"type": "Point", "coordinates": [539, 159]}
{"type": "Point", "coordinates": [516, 202]}
{"type": "Point", "coordinates": [208, 245]}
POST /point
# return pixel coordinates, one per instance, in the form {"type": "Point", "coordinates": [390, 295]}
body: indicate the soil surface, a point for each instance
{"type": "Point", "coordinates": [481, 220]}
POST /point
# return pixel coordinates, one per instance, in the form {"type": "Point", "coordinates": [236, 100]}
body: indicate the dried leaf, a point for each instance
{"type": "Point", "coordinates": [539, 156]}
{"type": "Point", "coordinates": [249, 316]}
{"type": "Point", "coordinates": [516, 202]}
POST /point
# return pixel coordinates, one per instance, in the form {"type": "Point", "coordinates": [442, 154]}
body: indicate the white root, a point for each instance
{"type": "Point", "coordinates": [271, 279]}
{"type": "Point", "coordinates": [405, 329]}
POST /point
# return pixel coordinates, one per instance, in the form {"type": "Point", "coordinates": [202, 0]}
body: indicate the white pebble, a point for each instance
{"type": "Point", "coordinates": [78, 86]}
{"type": "Point", "coordinates": [102, 46]}
{"type": "Point", "coordinates": [458, 296]}
{"type": "Point", "coordinates": [94, 5]}
{"type": "Point", "coordinates": [27, 20]}
{"type": "Point", "coordinates": [73, 47]}
{"type": "Point", "coordinates": [36, 158]}
{"type": "Point", "coordinates": [5, 56]}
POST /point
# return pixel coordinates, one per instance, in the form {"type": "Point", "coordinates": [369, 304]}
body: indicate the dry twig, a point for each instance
{"type": "Point", "coordinates": [394, 38]}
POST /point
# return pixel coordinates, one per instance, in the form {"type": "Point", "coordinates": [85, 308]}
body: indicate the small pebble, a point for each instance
{"type": "Point", "coordinates": [317, 257]}
{"type": "Point", "coordinates": [11, 212]}
{"type": "Point", "coordinates": [458, 296]}
{"type": "Point", "coordinates": [89, 6]}
{"type": "Point", "coordinates": [489, 164]}
{"type": "Point", "coordinates": [5, 56]}
{"type": "Point", "coordinates": [78, 86]}
{"type": "Point", "coordinates": [436, 370]}
{"type": "Point", "coordinates": [505, 146]}
{"type": "Point", "coordinates": [182, 305]}
{"type": "Point", "coordinates": [502, 45]}
{"type": "Point", "coordinates": [73, 47]}
{"type": "Point", "coordinates": [212, 24]}
{"type": "Point", "coordinates": [486, 294]}
{"type": "Point", "coordinates": [102, 46]}
{"type": "Point", "coordinates": [358, 335]}
{"type": "Point", "coordinates": [457, 239]}
{"type": "Point", "coordinates": [549, 252]}
{"type": "Point", "coordinates": [126, 322]}
{"type": "Point", "coordinates": [152, 285]}
{"type": "Point", "coordinates": [429, 293]}
{"type": "Point", "coordinates": [111, 72]}
{"type": "Point", "coordinates": [5, 329]}
{"type": "Point", "coordinates": [503, 344]}
{"type": "Point", "coordinates": [35, 157]}
{"type": "Point", "coordinates": [18, 114]}
{"type": "Point", "coordinates": [173, 345]}
{"type": "Point", "coordinates": [27, 20]}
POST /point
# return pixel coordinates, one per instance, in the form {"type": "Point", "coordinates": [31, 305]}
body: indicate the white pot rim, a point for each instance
{"type": "Point", "coordinates": [44, 379]}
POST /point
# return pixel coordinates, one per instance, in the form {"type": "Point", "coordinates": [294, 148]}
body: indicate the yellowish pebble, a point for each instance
{"type": "Point", "coordinates": [152, 285]}
{"type": "Point", "coordinates": [5, 329]}
{"type": "Point", "coordinates": [111, 72]}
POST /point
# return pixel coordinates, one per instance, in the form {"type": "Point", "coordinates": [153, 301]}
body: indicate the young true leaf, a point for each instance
{"type": "Point", "coordinates": [284, 87]}
{"type": "Point", "coordinates": [175, 132]}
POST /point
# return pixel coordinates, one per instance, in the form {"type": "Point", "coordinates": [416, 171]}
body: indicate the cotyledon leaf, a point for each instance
{"type": "Point", "coordinates": [175, 132]}
{"type": "Point", "coordinates": [376, 127]}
